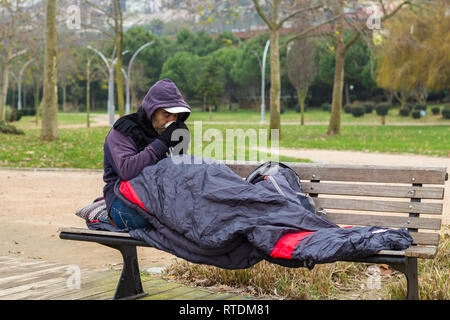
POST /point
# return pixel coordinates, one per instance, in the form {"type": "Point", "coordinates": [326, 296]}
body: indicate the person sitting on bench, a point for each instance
{"type": "Point", "coordinates": [138, 140]}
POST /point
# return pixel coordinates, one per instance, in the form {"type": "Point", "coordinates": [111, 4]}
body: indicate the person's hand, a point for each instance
{"type": "Point", "coordinates": [166, 136]}
{"type": "Point", "coordinates": [181, 135]}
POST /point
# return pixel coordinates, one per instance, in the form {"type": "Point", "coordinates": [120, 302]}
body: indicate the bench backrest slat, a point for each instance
{"type": "Point", "coordinates": [384, 221]}
{"type": "Point", "coordinates": [379, 206]}
{"type": "Point", "coordinates": [358, 173]}
{"type": "Point", "coordinates": [425, 238]}
{"type": "Point", "coordinates": [389, 191]}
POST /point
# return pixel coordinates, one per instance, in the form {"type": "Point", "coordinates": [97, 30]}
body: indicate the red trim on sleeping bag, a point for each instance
{"type": "Point", "coordinates": [128, 192]}
{"type": "Point", "coordinates": [286, 245]}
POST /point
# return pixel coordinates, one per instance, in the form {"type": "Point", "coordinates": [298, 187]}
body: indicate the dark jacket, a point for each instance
{"type": "Point", "coordinates": [122, 157]}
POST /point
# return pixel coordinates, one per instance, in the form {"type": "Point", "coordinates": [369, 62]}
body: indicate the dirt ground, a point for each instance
{"type": "Point", "coordinates": [34, 204]}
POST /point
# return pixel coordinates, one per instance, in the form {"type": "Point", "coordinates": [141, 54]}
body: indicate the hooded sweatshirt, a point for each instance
{"type": "Point", "coordinates": [122, 159]}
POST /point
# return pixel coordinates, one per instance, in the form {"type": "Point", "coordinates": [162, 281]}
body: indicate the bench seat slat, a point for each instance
{"type": "Point", "coordinates": [379, 205]}
{"type": "Point", "coordinates": [390, 191]}
{"type": "Point", "coordinates": [413, 252]}
{"type": "Point", "coordinates": [95, 232]}
{"type": "Point", "coordinates": [422, 238]}
{"type": "Point", "coordinates": [384, 221]}
{"type": "Point", "coordinates": [357, 173]}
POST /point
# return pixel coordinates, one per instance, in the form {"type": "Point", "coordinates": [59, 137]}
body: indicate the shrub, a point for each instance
{"type": "Point", "coordinates": [348, 108]}
{"type": "Point", "coordinates": [326, 107]}
{"type": "Point", "coordinates": [404, 112]}
{"type": "Point", "coordinates": [369, 106]}
{"type": "Point", "coordinates": [28, 112]}
{"type": "Point", "coordinates": [409, 106]}
{"type": "Point", "coordinates": [12, 114]}
{"type": "Point", "coordinates": [358, 110]}
{"type": "Point", "coordinates": [446, 112]}
{"type": "Point", "coordinates": [8, 113]}
{"type": "Point", "coordinates": [297, 108]}
{"type": "Point", "coordinates": [5, 127]}
{"type": "Point", "coordinates": [415, 114]}
{"type": "Point", "coordinates": [436, 110]}
{"type": "Point", "coordinates": [382, 108]}
{"type": "Point", "coordinates": [420, 107]}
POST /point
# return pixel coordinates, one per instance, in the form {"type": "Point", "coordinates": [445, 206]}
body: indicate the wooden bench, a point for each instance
{"type": "Point", "coordinates": [357, 195]}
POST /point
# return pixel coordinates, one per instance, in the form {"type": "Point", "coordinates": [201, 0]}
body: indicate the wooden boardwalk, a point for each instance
{"type": "Point", "coordinates": [31, 279]}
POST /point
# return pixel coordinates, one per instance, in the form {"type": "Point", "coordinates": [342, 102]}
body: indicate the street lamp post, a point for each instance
{"type": "Point", "coordinates": [263, 85]}
{"type": "Point", "coordinates": [15, 79]}
{"type": "Point", "coordinates": [19, 102]}
{"type": "Point", "coordinates": [110, 67]}
{"type": "Point", "coordinates": [128, 75]}
{"type": "Point", "coordinates": [19, 82]}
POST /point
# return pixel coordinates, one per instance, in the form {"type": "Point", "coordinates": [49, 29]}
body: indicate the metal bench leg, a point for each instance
{"type": "Point", "coordinates": [130, 285]}
{"type": "Point", "coordinates": [410, 271]}
{"type": "Point", "coordinates": [412, 279]}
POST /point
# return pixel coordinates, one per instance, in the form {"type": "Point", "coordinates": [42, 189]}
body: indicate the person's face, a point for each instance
{"type": "Point", "coordinates": [160, 118]}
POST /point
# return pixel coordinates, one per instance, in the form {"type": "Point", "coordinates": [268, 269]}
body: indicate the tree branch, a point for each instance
{"type": "Point", "coordinates": [348, 44]}
{"type": "Point", "coordinates": [303, 34]}
{"type": "Point", "coordinates": [387, 16]}
{"type": "Point", "coordinates": [263, 16]}
{"type": "Point", "coordinates": [296, 13]}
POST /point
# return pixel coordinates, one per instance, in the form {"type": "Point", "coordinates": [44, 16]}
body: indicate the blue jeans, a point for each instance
{"type": "Point", "coordinates": [125, 217]}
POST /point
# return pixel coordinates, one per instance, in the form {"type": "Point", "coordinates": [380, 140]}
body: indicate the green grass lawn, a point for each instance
{"type": "Point", "coordinates": [83, 147]}
{"type": "Point", "coordinates": [424, 140]}
{"type": "Point", "coordinates": [312, 115]}
{"type": "Point", "coordinates": [76, 148]}
{"type": "Point", "coordinates": [29, 122]}
{"type": "Point", "coordinates": [316, 115]}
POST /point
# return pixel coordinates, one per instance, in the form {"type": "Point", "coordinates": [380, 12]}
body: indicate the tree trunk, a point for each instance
{"type": "Point", "coordinates": [64, 98]}
{"type": "Point", "coordinates": [204, 103]}
{"type": "Point", "coordinates": [275, 85]}
{"type": "Point", "coordinates": [88, 92]}
{"type": "Point", "coordinates": [36, 102]}
{"type": "Point", "coordinates": [347, 93]}
{"type": "Point", "coordinates": [118, 35]}
{"type": "Point", "coordinates": [301, 96]}
{"type": "Point", "coordinates": [4, 92]}
{"type": "Point", "coordinates": [49, 129]}
{"type": "Point", "coordinates": [389, 95]}
{"type": "Point", "coordinates": [24, 98]}
{"type": "Point", "coordinates": [334, 127]}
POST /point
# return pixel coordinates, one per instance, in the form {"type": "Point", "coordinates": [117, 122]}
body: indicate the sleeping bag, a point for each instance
{"type": "Point", "coordinates": [201, 211]}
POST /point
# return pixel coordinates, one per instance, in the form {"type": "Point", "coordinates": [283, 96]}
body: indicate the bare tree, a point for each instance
{"type": "Point", "coordinates": [112, 14]}
{"type": "Point", "coordinates": [49, 130]}
{"type": "Point", "coordinates": [301, 70]}
{"type": "Point", "coordinates": [13, 29]}
{"type": "Point", "coordinates": [359, 27]}
{"type": "Point", "coordinates": [276, 14]}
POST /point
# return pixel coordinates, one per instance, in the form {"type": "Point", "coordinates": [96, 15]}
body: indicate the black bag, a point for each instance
{"type": "Point", "coordinates": [270, 169]}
